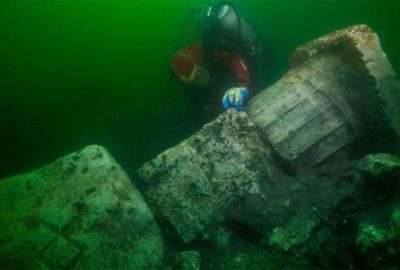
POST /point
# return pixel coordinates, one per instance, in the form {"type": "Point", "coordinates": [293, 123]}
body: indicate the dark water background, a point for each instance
{"type": "Point", "coordinates": [74, 73]}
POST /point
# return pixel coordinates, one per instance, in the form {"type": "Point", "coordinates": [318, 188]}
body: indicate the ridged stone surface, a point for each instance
{"type": "Point", "coordinates": [81, 212]}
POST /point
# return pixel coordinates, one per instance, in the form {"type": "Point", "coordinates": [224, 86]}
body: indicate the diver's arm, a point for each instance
{"type": "Point", "coordinates": [236, 97]}
{"type": "Point", "coordinates": [241, 70]}
{"type": "Point", "coordinates": [187, 65]}
{"type": "Point", "coordinates": [184, 59]}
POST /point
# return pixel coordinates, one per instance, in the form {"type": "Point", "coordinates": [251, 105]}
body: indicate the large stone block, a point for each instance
{"type": "Point", "coordinates": [191, 185]}
{"type": "Point", "coordinates": [81, 211]}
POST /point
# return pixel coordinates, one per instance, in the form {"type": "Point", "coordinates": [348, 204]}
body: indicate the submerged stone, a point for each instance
{"type": "Point", "coordinates": [379, 248]}
{"type": "Point", "coordinates": [295, 232]}
{"type": "Point", "coordinates": [340, 90]}
{"type": "Point", "coordinates": [381, 164]}
{"type": "Point", "coordinates": [191, 185]}
{"type": "Point", "coordinates": [369, 237]}
{"type": "Point", "coordinates": [81, 212]}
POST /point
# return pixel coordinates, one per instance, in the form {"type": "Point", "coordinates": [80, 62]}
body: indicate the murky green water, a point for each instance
{"type": "Point", "coordinates": [74, 73]}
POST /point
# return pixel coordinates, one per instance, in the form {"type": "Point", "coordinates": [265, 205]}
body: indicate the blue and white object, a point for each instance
{"type": "Point", "coordinates": [235, 97]}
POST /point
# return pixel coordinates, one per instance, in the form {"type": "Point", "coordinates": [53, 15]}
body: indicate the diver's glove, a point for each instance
{"type": "Point", "coordinates": [235, 97]}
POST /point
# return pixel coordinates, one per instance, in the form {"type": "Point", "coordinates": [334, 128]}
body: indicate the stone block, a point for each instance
{"type": "Point", "coordinates": [191, 185]}
{"type": "Point", "coordinates": [81, 212]}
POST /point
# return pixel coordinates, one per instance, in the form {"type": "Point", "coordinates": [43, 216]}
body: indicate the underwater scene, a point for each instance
{"type": "Point", "coordinates": [188, 135]}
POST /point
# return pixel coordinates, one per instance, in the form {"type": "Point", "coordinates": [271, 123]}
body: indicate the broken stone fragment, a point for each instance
{"type": "Point", "coordinates": [191, 185]}
{"type": "Point", "coordinates": [381, 172]}
{"type": "Point", "coordinates": [81, 212]}
{"type": "Point", "coordinates": [369, 237]}
{"type": "Point", "coordinates": [379, 248]}
{"type": "Point", "coordinates": [380, 165]}
{"type": "Point", "coordinates": [340, 89]}
{"type": "Point", "coordinates": [296, 231]}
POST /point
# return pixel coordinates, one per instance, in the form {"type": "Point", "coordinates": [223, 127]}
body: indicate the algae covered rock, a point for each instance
{"type": "Point", "coordinates": [379, 247]}
{"type": "Point", "coordinates": [191, 185]}
{"type": "Point", "coordinates": [369, 237]}
{"type": "Point", "coordinates": [382, 172]}
{"type": "Point", "coordinates": [82, 212]}
{"type": "Point", "coordinates": [381, 164]}
{"type": "Point", "coordinates": [378, 233]}
{"type": "Point", "coordinates": [295, 232]}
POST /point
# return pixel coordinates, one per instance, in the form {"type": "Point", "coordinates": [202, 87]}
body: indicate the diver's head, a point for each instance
{"type": "Point", "coordinates": [212, 14]}
{"type": "Point", "coordinates": [215, 18]}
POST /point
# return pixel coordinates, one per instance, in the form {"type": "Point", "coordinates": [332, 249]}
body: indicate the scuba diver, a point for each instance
{"type": "Point", "coordinates": [227, 63]}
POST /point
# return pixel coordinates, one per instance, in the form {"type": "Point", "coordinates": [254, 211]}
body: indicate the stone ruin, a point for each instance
{"type": "Point", "coordinates": [339, 97]}
{"type": "Point", "coordinates": [286, 169]}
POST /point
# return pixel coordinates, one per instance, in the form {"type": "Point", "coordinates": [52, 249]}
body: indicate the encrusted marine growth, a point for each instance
{"type": "Point", "coordinates": [80, 212]}
{"type": "Point", "coordinates": [192, 185]}
{"type": "Point", "coordinates": [339, 89]}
